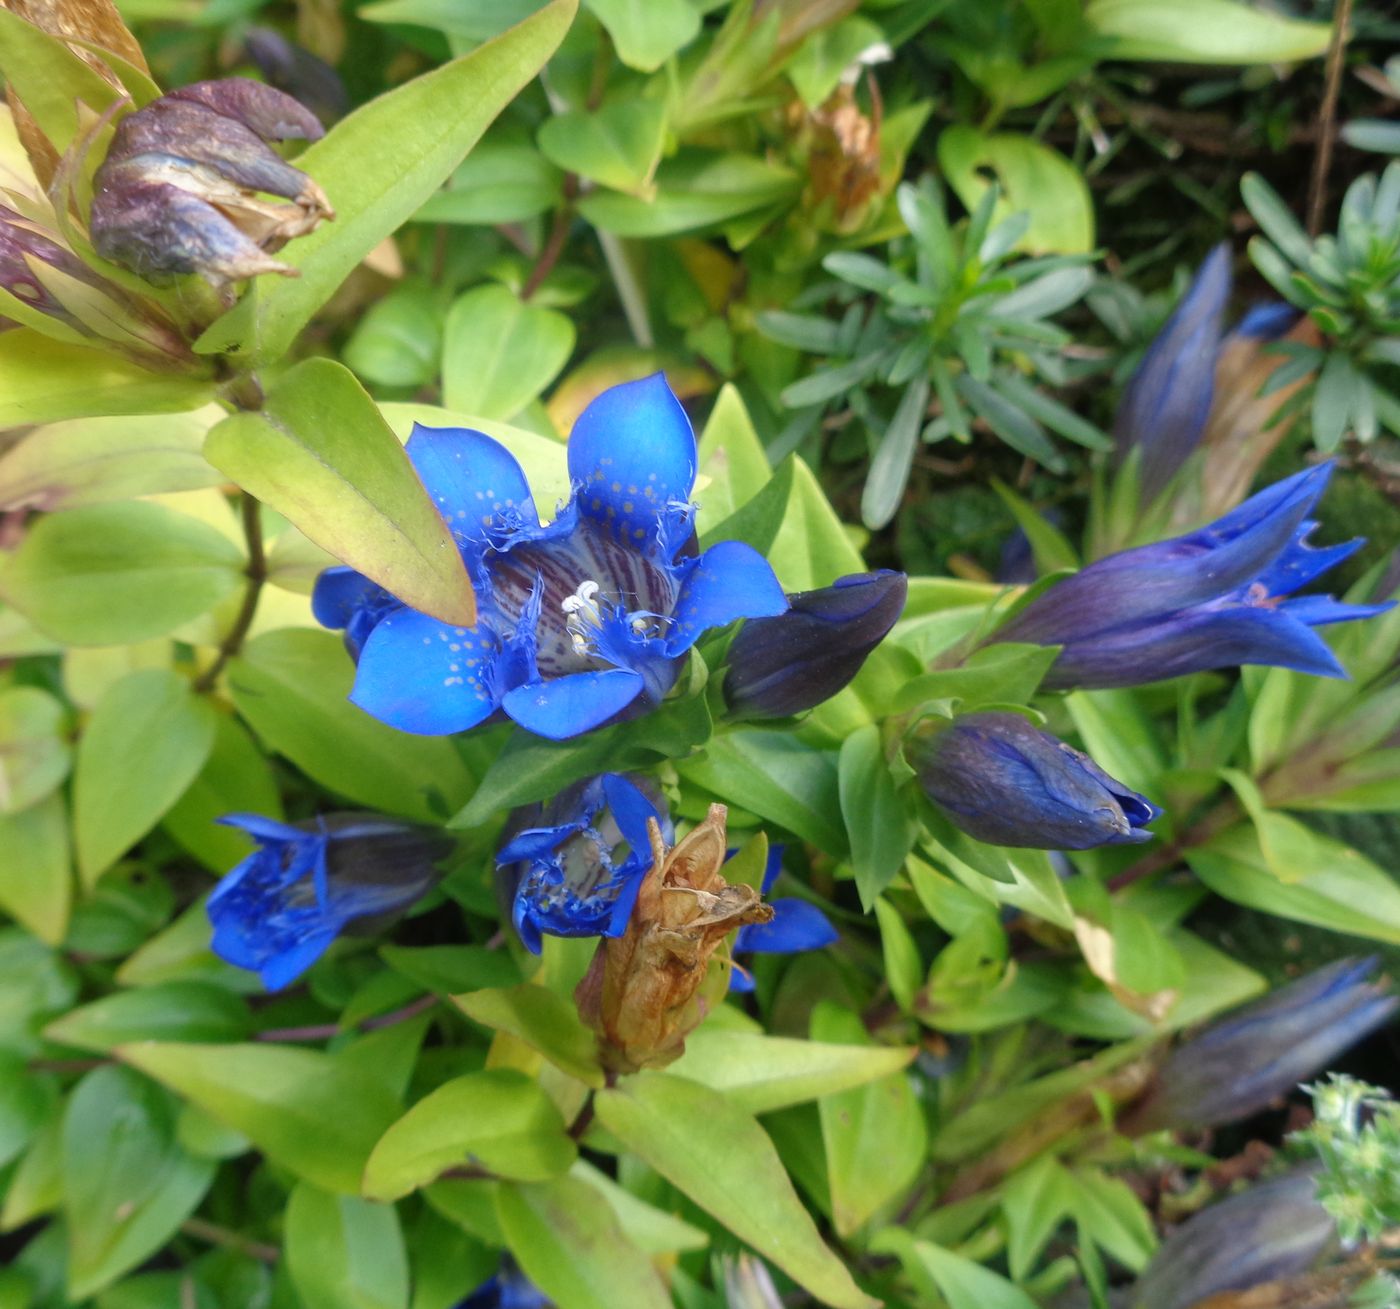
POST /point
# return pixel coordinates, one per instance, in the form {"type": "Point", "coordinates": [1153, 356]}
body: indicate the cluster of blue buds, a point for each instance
{"type": "Point", "coordinates": [580, 621]}
{"type": "Point", "coordinates": [279, 910]}
{"type": "Point", "coordinates": [999, 778]}
{"type": "Point", "coordinates": [796, 926]}
{"type": "Point", "coordinates": [1242, 1063]}
{"type": "Point", "coordinates": [577, 862]}
{"type": "Point", "coordinates": [1214, 598]}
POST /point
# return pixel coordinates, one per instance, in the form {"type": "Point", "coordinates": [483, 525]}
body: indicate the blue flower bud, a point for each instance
{"type": "Point", "coordinates": [281, 908]}
{"type": "Point", "coordinates": [1004, 781]}
{"type": "Point", "coordinates": [182, 188]}
{"type": "Point", "coordinates": [1167, 401]}
{"type": "Point", "coordinates": [1248, 1059]}
{"type": "Point", "coordinates": [1214, 598]}
{"type": "Point", "coordinates": [574, 865]}
{"type": "Point", "coordinates": [1273, 1231]}
{"type": "Point", "coordinates": [507, 1289]}
{"type": "Point", "coordinates": [294, 69]}
{"type": "Point", "coordinates": [785, 665]}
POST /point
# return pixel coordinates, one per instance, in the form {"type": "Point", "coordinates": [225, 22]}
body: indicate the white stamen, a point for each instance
{"type": "Point", "coordinates": [583, 614]}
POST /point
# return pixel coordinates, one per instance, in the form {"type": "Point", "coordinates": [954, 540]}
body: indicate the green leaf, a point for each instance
{"type": "Point", "coordinates": [1346, 892]}
{"type": "Point", "coordinates": [50, 79]}
{"type": "Point", "coordinates": [36, 876]}
{"type": "Point", "coordinates": [309, 1112]}
{"type": "Point", "coordinates": [961, 1282]}
{"type": "Point", "coordinates": [1049, 545]}
{"type": "Point", "coordinates": [695, 190]}
{"type": "Point", "coordinates": [1203, 32]}
{"type": "Point", "coordinates": [732, 458]}
{"type": "Point", "coordinates": [1034, 1202]}
{"type": "Point", "coordinates": [34, 754]}
{"type": "Point", "coordinates": [399, 340]}
{"type": "Point", "coordinates": [344, 1252]}
{"type": "Point", "coordinates": [647, 32]}
{"type": "Point", "coordinates": [36, 1185]}
{"type": "Point", "coordinates": [617, 145]}
{"type": "Point", "coordinates": [145, 743]}
{"type": "Point", "coordinates": [1001, 674]}
{"type": "Point", "coordinates": [904, 968]}
{"type": "Point", "coordinates": [889, 469]}
{"type": "Point", "coordinates": [95, 460]}
{"type": "Point", "coordinates": [775, 775]}
{"type": "Point", "coordinates": [321, 454]}
{"type": "Point", "coordinates": [721, 1158]}
{"type": "Point", "coordinates": [874, 1136]}
{"type": "Point", "coordinates": [571, 1246]}
{"type": "Point", "coordinates": [447, 969]}
{"type": "Point", "coordinates": [378, 166]}
{"type": "Point", "coordinates": [813, 546]}
{"type": "Point", "coordinates": [291, 687]}
{"type": "Point", "coordinates": [237, 778]}
{"type": "Point", "coordinates": [759, 1073]}
{"type": "Point", "coordinates": [45, 381]}
{"type": "Point", "coordinates": [25, 1100]}
{"type": "Point", "coordinates": [117, 573]}
{"type": "Point", "coordinates": [127, 1185]}
{"type": "Point", "coordinates": [1032, 178]}
{"type": "Point", "coordinates": [544, 1021]}
{"type": "Point", "coordinates": [499, 182]}
{"type": "Point", "coordinates": [498, 1120]}
{"type": "Point", "coordinates": [499, 353]}
{"type": "Point", "coordinates": [881, 828]}
{"type": "Point", "coordinates": [171, 1011]}
{"type": "Point", "coordinates": [650, 1229]}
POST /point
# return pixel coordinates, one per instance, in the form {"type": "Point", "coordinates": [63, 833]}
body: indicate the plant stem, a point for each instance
{"type": "Point", "coordinates": [324, 1031]}
{"type": "Point", "coordinates": [554, 243]}
{"type": "Point", "coordinates": [256, 573]}
{"type": "Point", "coordinates": [1327, 116]}
{"type": "Point", "coordinates": [229, 1240]}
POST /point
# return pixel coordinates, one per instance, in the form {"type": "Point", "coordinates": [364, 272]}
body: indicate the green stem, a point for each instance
{"type": "Point", "coordinates": [256, 573]}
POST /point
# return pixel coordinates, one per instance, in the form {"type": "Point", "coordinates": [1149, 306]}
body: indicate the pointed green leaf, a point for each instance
{"type": "Point", "coordinates": [321, 454]}
{"type": "Point", "coordinates": [1203, 32]}
{"type": "Point", "coordinates": [723, 1160]}
{"type": "Point", "coordinates": [543, 1020]}
{"type": "Point", "coordinates": [36, 876]}
{"type": "Point", "coordinates": [647, 32]}
{"type": "Point", "coordinates": [344, 1252]}
{"type": "Point", "coordinates": [617, 145]}
{"type": "Point", "coordinates": [377, 167]}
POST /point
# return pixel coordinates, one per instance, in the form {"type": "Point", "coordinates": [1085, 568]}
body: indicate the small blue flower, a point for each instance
{"type": "Point", "coordinates": [1214, 598]}
{"type": "Point", "coordinates": [281, 908]}
{"type": "Point", "coordinates": [1167, 401]}
{"type": "Point", "coordinates": [579, 621]}
{"type": "Point", "coordinates": [508, 1289]}
{"type": "Point", "coordinates": [1002, 780]}
{"type": "Point", "coordinates": [796, 926]}
{"type": "Point", "coordinates": [582, 859]}
{"type": "Point", "coordinates": [785, 665]}
{"type": "Point", "coordinates": [1242, 1063]}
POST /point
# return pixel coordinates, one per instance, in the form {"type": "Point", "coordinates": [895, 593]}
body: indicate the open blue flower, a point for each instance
{"type": "Point", "coordinates": [582, 859]}
{"type": "Point", "coordinates": [1213, 598]}
{"type": "Point", "coordinates": [280, 909]}
{"type": "Point", "coordinates": [796, 926]}
{"type": "Point", "coordinates": [579, 621]}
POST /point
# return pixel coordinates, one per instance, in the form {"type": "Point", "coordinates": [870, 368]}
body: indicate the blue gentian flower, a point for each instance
{"type": "Point", "coordinates": [582, 858]}
{"type": "Point", "coordinates": [508, 1289]}
{"type": "Point", "coordinates": [1246, 1060]}
{"type": "Point", "coordinates": [579, 621]}
{"type": "Point", "coordinates": [796, 925]}
{"type": "Point", "coordinates": [1167, 401]}
{"type": "Point", "coordinates": [999, 778]}
{"type": "Point", "coordinates": [785, 665]}
{"type": "Point", "coordinates": [1213, 598]}
{"type": "Point", "coordinates": [281, 908]}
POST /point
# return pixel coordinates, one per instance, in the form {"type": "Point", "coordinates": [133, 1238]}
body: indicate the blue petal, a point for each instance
{"type": "Point", "coordinates": [339, 593]}
{"type": "Point", "coordinates": [631, 453]}
{"type": "Point", "coordinates": [282, 969]}
{"type": "Point", "coordinates": [1320, 610]}
{"type": "Point", "coordinates": [475, 482]}
{"type": "Point", "coordinates": [796, 926]}
{"type": "Point", "coordinates": [1266, 320]}
{"type": "Point", "coordinates": [568, 706]}
{"type": "Point", "coordinates": [423, 676]}
{"type": "Point", "coordinates": [730, 580]}
{"type": "Point", "coordinates": [772, 868]}
{"type": "Point", "coordinates": [1301, 563]}
{"type": "Point", "coordinates": [740, 979]}
{"type": "Point", "coordinates": [631, 809]}
{"type": "Point", "coordinates": [263, 829]}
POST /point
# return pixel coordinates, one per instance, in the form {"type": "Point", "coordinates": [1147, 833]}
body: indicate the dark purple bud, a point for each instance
{"type": "Point", "coordinates": [295, 70]}
{"type": "Point", "coordinates": [1002, 780]}
{"type": "Point", "coordinates": [1248, 1059]}
{"type": "Point", "coordinates": [183, 188]}
{"type": "Point", "coordinates": [1271, 1232]}
{"type": "Point", "coordinates": [790, 663]}
{"type": "Point", "coordinates": [1167, 401]}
